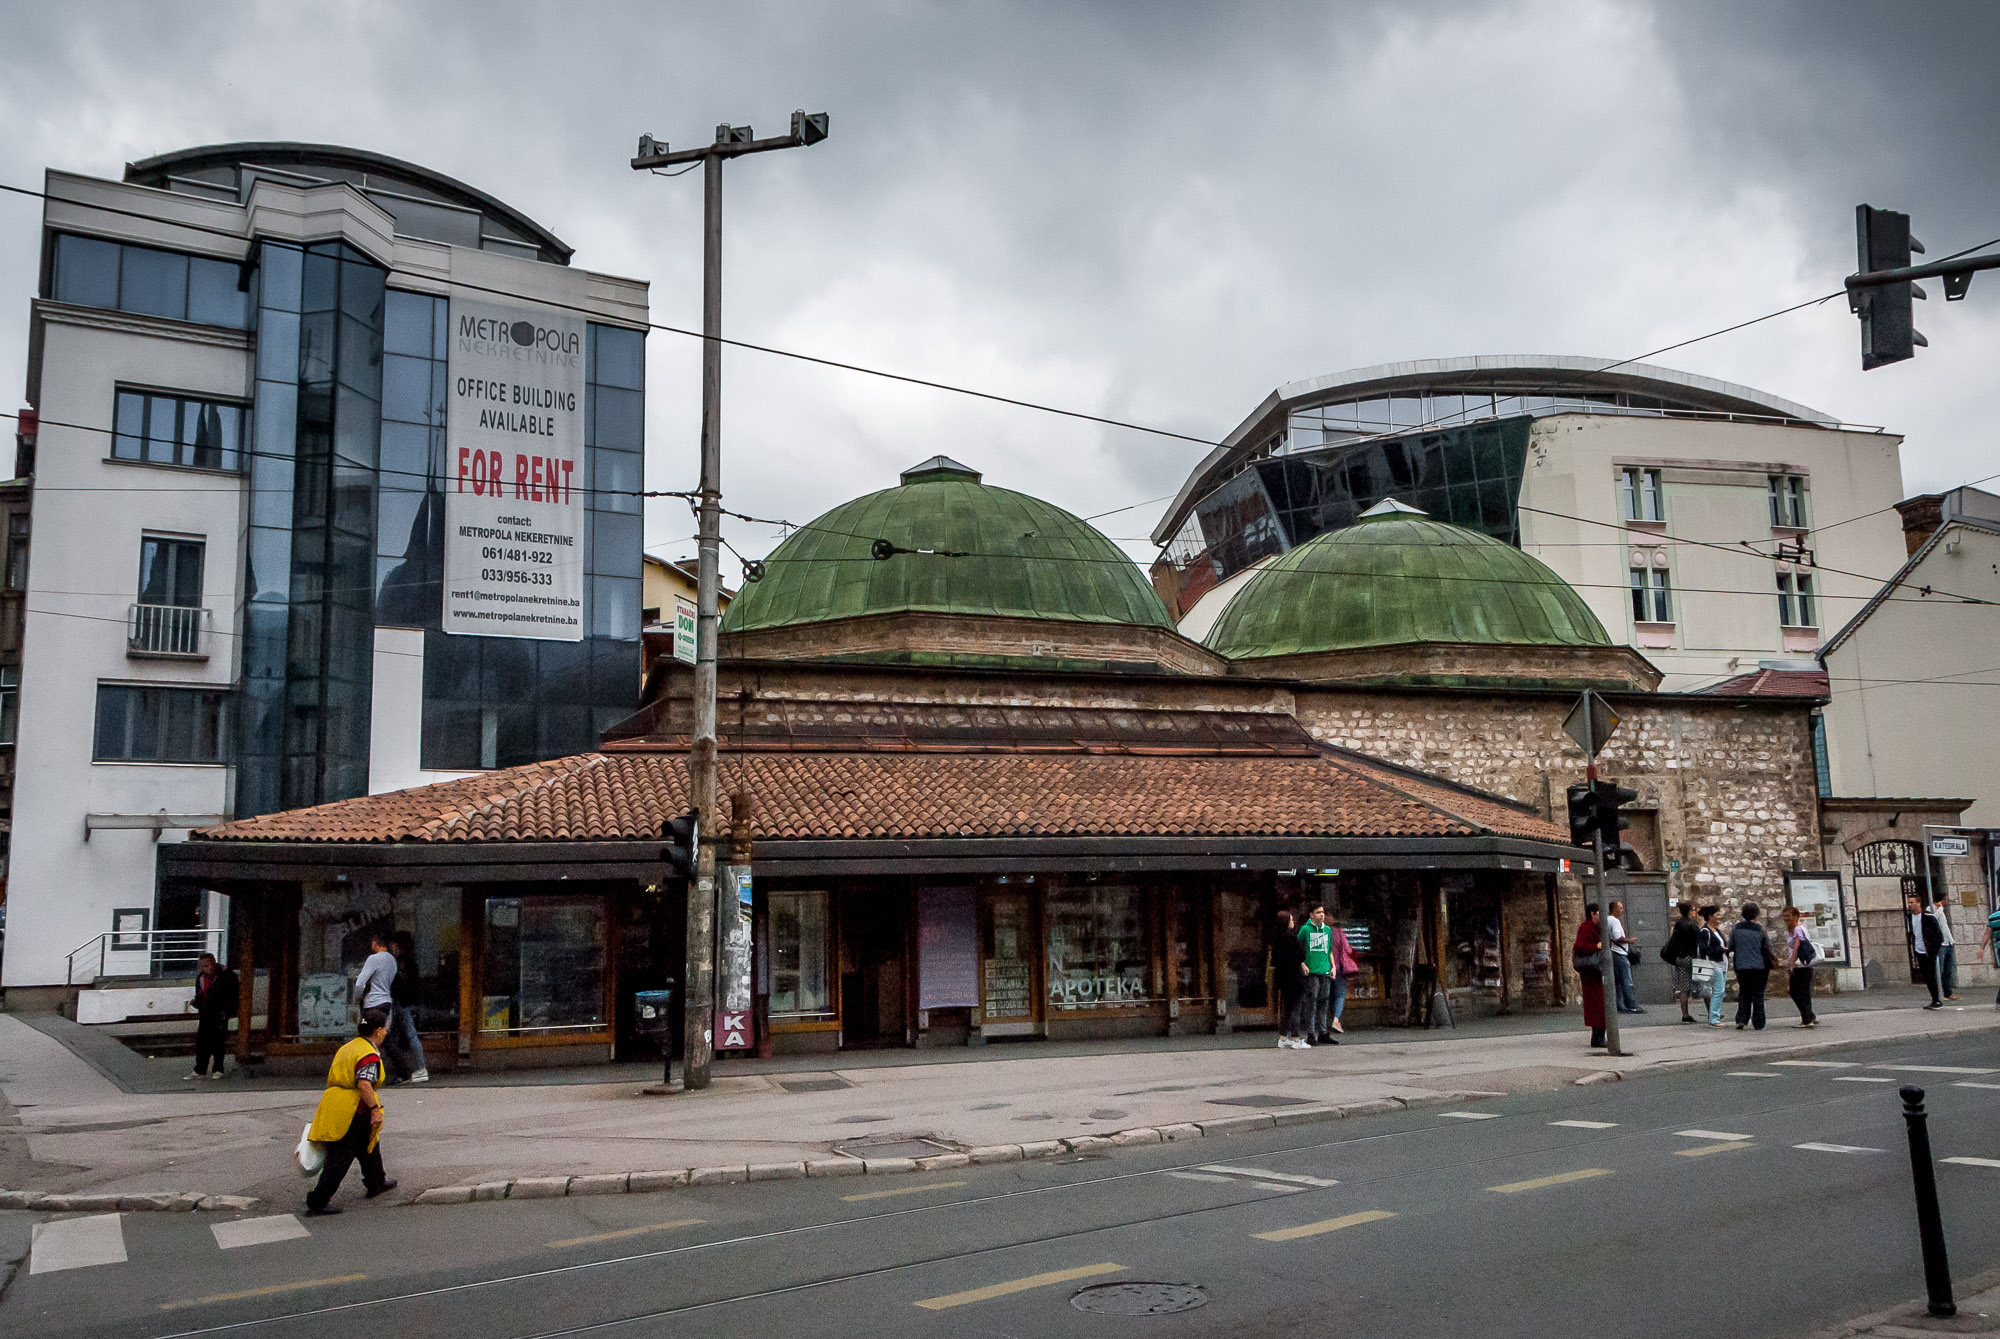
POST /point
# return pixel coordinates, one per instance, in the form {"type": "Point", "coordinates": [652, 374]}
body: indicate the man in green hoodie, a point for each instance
{"type": "Point", "coordinates": [1316, 936]}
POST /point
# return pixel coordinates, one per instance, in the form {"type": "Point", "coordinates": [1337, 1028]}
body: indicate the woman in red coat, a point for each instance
{"type": "Point", "coordinates": [1585, 954]}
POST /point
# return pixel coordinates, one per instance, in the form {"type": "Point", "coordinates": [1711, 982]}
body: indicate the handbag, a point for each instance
{"type": "Point", "coordinates": [308, 1157]}
{"type": "Point", "coordinates": [1704, 975]}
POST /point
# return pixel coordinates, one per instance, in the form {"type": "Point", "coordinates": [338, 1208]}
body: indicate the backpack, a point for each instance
{"type": "Point", "coordinates": [1808, 952]}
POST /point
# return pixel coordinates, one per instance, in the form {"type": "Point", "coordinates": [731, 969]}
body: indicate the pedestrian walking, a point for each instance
{"type": "Point", "coordinates": [1288, 969]}
{"type": "Point", "coordinates": [1927, 937]}
{"type": "Point", "coordinates": [372, 988]}
{"type": "Point", "coordinates": [1800, 951]}
{"type": "Point", "coordinates": [1316, 938]}
{"type": "Point", "coordinates": [1679, 953]}
{"type": "Point", "coordinates": [214, 1004]}
{"type": "Point", "coordinates": [349, 1119]}
{"type": "Point", "coordinates": [1621, 959]}
{"type": "Point", "coordinates": [1712, 947]}
{"type": "Point", "coordinates": [1947, 955]}
{"type": "Point", "coordinates": [406, 1045]}
{"type": "Point", "coordinates": [1751, 949]}
{"type": "Point", "coordinates": [1586, 956]}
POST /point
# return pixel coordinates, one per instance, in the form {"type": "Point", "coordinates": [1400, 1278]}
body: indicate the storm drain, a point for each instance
{"type": "Point", "coordinates": [813, 1085]}
{"type": "Point", "coordinates": [1262, 1100]}
{"type": "Point", "coordinates": [1138, 1299]}
{"type": "Point", "coordinates": [893, 1146]}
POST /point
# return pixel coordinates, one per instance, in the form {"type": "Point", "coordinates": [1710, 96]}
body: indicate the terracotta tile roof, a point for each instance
{"type": "Point", "coordinates": [1772, 683]}
{"type": "Point", "coordinates": [626, 795]}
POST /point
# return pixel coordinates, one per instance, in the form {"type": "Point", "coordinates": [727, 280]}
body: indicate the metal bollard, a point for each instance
{"type": "Point", "coordinates": [1930, 1227]}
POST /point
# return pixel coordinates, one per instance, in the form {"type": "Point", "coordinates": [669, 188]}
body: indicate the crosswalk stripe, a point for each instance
{"type": "Point", "coordinates": [1470, 1115]}
{"type": "Point", "coordinates": [76, 1243]}
{"type": "Point", "coordinates": [993, 1290]}
{"type": "Point", "coordinates": [1559, 1179]}
{"type": "Point", "coordinates": [1936, 1069]}
{"type": "Point", "coordinates": [1837, 1148]}
{"type": "Point", "coordinates": [1262, 1175]}
{"type": "Point", "coordinates": [1709, 1134]}
{"type": "Point", "coordinates": [1703, 1150]}
{"type": "Point", "coordinates": [1975, 1162]}
{"type": "Point", "coordinates": [1587, 1124]}
{"type": "Point", "coordinates": [1862, 1078]}
{"type": "Point", "coordinates": [1238, 1181]}
{"type": "Point", "coordinates": [1323, 1226]}
{"type": "Point", "coordinates": [1990, 1087]}
{"type": "Point", "coordinates": [1817, 1064]}
{"type": "Point", "coordinates": [258, 1231]}
{"type": "Point", "coordinates": [1753, 1074]}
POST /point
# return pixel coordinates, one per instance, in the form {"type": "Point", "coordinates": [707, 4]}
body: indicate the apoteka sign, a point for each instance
{"type": "Point", "coordinates": [514, 472]}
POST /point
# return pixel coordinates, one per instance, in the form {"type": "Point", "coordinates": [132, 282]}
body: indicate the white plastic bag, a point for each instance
{"type": "Point", "coordinates": [308, 1157]}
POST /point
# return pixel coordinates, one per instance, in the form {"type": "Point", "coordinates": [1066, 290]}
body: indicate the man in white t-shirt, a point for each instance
{"type": "Point", "coordinates": [1621, 959]}
{"type": "Point", "coordinates": [1947, 962]}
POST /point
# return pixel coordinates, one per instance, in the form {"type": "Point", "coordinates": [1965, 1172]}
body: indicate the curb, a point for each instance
{"type": "Point", "coordinates": [1765, 1057]}
{"type": "Point", "coordinates": [186, 1201]}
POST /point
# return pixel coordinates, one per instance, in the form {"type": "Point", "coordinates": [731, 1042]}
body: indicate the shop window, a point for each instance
{"type": "Point", "coordinates": [1006, 957]}
{"type": "Point", "coordinates": [10, 702]}
{"type": "Point", "coordinates": [1795, 600]}
{"type": "Point", "coordinates": [1652, 596]}
{"type": "Point", "coordinates": [1639, 495]}
{"type": "Point", "coordinates": [1789, 510]}
{"type": "Point", "coordinates": [1097, 947]}
{"type": "Point", "coordinates": [799, 979]}
{"type": "Point", "coordinates": [544, 965]}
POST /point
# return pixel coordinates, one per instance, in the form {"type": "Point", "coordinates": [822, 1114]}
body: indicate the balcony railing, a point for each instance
{"type": "Point", "coordinates": [167, 630]}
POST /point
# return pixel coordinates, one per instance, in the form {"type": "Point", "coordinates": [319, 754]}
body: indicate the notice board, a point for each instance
{"type": "Point", "coordinates": [947, 948]}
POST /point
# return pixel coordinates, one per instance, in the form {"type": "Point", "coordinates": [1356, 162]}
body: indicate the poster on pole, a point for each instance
{"type": "Point", "coordinates": [1816, 897]}
{"type": "Point", "coordinates": [514, 465]}
{"type": "Point", "coordinates": [735, 1028]}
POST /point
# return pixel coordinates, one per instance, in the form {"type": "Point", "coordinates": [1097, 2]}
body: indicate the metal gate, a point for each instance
{"type": "Point", "coordinates": [1649, 920]}
{"type": "Point", "coordinates": [1886, 871]}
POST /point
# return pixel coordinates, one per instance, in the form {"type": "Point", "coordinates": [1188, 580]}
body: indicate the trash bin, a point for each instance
{"type": "Point", "coordinates": [653, 1017]}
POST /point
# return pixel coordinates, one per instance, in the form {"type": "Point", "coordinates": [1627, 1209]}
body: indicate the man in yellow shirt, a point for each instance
{"type": "Point", "coordinates": [349, 1118]}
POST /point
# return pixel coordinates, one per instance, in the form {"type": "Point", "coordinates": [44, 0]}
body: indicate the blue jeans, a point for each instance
{"type": "Point", "coordinates": [1339, 995]}
{"type": "Point", "coordinates": [1315, 1008]}
{"type": "Point", "coordinates": [1948, 969]}
{"type": "Point", "coordinates": [1621, 966]}
{"type": "Point", "coordinates": [1715, 994]}
{"type": "Point", "coordinates": [403, 1038]}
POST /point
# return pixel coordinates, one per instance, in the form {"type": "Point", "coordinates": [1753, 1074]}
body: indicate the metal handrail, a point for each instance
{"type": "Point", "coordinates": [187, 944]}
{"type": "Point", "coordinates": [165, 629]}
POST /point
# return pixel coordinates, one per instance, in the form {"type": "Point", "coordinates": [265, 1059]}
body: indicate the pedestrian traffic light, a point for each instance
{"type": "Point", "coordinates": [681, 835]}
{"type": "Point", "coordinates": [1608, 798]}
{"type": "Point", "coordinates": [1888, 330]}
{"type": "Point", "coordinates": [1582, 815]}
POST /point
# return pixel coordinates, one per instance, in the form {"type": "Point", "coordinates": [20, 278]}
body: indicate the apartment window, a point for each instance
{"type": "Point", "coordinates": [1652, 597]}
{"type": "Point", "coordinates": [156, 723]}
{"type": "Point", "coordinates": [170, 571]}
{"type": "Point", "coordinates": [1788, 502]}
{"type": "Point", "coordinates": [1822, 766]}
{"type": "Point", "coordinates": [1639, 494]}
{"type": "Point", "coordinates": [91, 272]}
{"type": "Point", "coordinates": [178, 430]}
{"type": "Point", "coordinates": [17, 551]}
{"type": "Point", "coordinates": [10, 702]}
{"type": "Point", "coordinates": [1795, 600]}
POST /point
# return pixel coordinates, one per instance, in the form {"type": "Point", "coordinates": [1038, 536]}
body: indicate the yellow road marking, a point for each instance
{"type": "Point", "coordinates": [903, 1190]}
{"type": "Point", "coordinates": [993, 1290]}
{"type": "Point", "coordinates": [1705, 1149]}
{"type": "Point", "coordinates": [1324, 1225]}
{"type": "Point", "coordinates": [625, 1232]}
{"type": "Point", "coordinates": [267, 1290]}
{"type": "Point", "coordinates": [1560, 1179]}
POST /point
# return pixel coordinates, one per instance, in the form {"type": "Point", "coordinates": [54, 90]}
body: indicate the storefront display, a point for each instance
{"type": "Point", "coordinates": [1007, 958]}
{"type": "Point", "coordinates": [1097, 948]}
{"type": "Point", "coordinates": [799, 976]}
{"type": "Point", "coordinates": [545, 964]}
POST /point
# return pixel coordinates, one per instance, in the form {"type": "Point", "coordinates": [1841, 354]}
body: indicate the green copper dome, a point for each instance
{"type": "Point", "coordinates": [959, 547]}
{"type": "Point", "coordinates": [1397, 577]}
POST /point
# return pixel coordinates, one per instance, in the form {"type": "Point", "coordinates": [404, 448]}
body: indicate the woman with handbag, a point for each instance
{"type": "Point", "coordinates": [1587, 957]}
{"type": "Point", "coordinates": [1711, 948]}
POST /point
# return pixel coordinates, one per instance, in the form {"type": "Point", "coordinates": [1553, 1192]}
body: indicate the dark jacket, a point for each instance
{"type": "Point", "coordinates": [1287, 956]}
{"type": "Point", "coordinates": [1682, 943]}
{"type": "Point", "coordinates": [408, 987]}
{"type": "Point", "coordinates": [1933, 935]}
{"type": "Point", "coordinates": [1710, 944]}
{"type": "Point", "coordinates": [1751, 947]}
{"type": "Point", "coordinates": [220, 999]}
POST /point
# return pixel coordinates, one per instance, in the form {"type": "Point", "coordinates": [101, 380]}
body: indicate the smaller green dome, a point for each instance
{"type": "Point", "coordinates": [955, 545]}
{"type": "Point", "coordinates": [1397, 577]}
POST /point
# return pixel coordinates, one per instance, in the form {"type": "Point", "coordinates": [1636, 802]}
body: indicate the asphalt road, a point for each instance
{"type": "Point", "coordinates": [1759, 1202]}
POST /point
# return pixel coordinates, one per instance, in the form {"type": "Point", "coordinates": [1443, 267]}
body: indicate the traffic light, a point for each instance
{"type": "Point", "coordinates": [681, 835]}
{"type": "Point", "coordinates": [1608, 799]}
{"type": "Point", "coordinates": [1582, 815]}
{"type": "Point", "coordinates": [1888, 330]}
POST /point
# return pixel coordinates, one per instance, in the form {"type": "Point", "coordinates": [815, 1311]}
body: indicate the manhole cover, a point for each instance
{"type": "Point", "coordinates": [1108, 1113]}
{"type": "Point", "coordinates": [1138, 1299]}
{"type": "Point", "coordinates": [813, 1085]}
{"type": "Point", "coordinates": [1261, 1100]}
{"type": "Point", "coordinates": [892, 1146]}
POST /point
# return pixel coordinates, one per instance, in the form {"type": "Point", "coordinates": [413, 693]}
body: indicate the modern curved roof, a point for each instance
{"type": "Point", "coordinates": [375, 169]}
{"type": "Point", "coordinates": [1394, 578]}
{"type": "Point", "coordinates": [957, 546]}
{"type": "Point", "coordinates": [1507, 373]}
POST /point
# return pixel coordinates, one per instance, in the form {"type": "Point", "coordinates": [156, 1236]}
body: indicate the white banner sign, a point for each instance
{"type": "Point", "coordinates": [1951, 846]}
{"type": "Point", "coordinates": [513, 546]}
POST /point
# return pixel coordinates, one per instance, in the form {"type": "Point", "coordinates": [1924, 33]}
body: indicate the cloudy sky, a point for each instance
{"type": "Point", "coordinates": [1152, 210]}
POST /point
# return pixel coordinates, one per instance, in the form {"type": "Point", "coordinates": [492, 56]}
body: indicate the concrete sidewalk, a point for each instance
{"type": "Point", "coordinates": [85, 1135]}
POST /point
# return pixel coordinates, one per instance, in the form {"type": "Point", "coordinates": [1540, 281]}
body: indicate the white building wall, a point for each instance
{"type": "Point", "coordinates": [83, 573]}
{"type": "Point", "coordinates": [1714, 476]}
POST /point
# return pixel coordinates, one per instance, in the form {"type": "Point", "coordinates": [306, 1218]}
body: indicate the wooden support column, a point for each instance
{"type": "Point", "coordinates": [245, 918]}
{"type": "Point", "coordinates": [1558, 948]}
